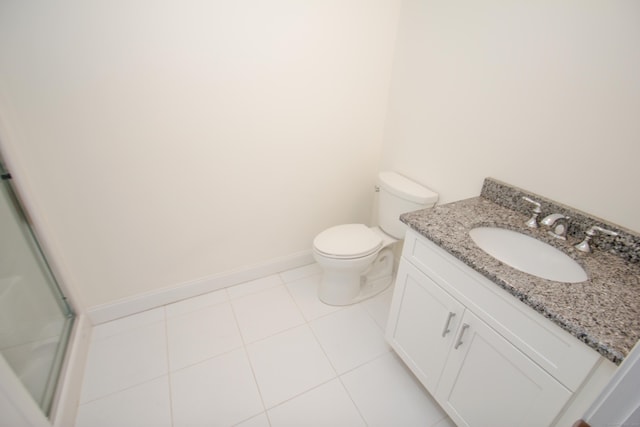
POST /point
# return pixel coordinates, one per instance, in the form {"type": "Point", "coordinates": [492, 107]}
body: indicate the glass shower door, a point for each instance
{"type": "Point", "coordinates": [35, 320]}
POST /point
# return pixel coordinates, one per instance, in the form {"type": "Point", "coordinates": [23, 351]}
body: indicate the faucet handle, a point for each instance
{"type": "Point", "coordinates": [595, 229]}
{"type": "Point", "coordinates": [533, 221]}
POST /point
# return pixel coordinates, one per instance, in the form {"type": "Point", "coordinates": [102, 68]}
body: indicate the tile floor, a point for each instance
{"type": "Point", "coordinates": [263, 353]}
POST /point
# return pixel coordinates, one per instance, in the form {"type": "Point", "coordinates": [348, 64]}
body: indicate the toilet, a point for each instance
{"type": "Point", "coordinates": [356, 260]}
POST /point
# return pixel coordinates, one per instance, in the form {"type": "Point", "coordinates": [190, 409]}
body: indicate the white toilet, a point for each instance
{"type": "Point", "coordinates": [356, 260]}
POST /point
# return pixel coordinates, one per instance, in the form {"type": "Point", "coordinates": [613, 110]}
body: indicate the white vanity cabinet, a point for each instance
{"type": "Point", "coordinates": [488, 359]}
{"type": "Point", "coordinates": [489, 382]}
{"type": "Point", "coordinates": [425, 324]}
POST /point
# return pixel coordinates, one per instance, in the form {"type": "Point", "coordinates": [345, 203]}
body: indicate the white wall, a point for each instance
{"type": "Point", "coordinates": [167, 141]}
{"type": "Point", "coordinates": [544, 95]}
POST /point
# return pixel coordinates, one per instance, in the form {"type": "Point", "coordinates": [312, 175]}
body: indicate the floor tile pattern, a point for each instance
{"type": "Point", "coordinates": [265, 353]}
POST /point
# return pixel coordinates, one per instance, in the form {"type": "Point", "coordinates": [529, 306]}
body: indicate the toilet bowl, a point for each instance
{"type": "Point", "coordinates": [357, 261]}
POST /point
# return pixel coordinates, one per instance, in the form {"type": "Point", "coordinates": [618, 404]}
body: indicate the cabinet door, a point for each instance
{"type": "Point", "coordinates": [489, 382]}
{"type": "Point", "coordinates": [422, 324]}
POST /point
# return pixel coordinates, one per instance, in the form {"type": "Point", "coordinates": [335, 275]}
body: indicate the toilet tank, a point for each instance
{"type": "Point", "coordinates": [398, 195]}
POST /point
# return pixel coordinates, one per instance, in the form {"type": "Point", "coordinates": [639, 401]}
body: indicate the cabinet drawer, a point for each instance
{"type": "Point", "coordinates": [558, 352]}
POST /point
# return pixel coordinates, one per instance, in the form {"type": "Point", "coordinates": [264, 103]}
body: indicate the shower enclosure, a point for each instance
{"type": "Point", "coordinates": [35, 319]}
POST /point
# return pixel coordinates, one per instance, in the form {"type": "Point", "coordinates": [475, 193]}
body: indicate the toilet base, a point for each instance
{"type": "Point", "coordinates": [339, 287]}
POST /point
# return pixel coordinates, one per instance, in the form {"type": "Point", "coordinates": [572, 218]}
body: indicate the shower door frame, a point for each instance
{"type": "Point", "coordinates": [48, 388]}
{"type": "Point", "coordinates": [14, 397]}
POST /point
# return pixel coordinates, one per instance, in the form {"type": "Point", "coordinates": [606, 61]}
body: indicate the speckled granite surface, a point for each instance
{"type": "Point", "coordinates": [626, 244]}
{"type": "Point", "coordinates": [603, 312]}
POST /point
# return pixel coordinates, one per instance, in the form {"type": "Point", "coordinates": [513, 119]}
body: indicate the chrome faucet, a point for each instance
{"type": "Point", "coordinates": [533, 221]}
{"type": "Point", "coordinates": [584, 245]}
{"type": "Point", "coordinates": [558, 223]}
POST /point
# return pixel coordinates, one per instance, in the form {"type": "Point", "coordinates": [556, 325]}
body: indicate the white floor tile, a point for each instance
{"type": "Point", "coordinates": [350, 337]}
{"type": "Point", "coordinates": [300, 272]}
{"type": "Point", "coordinates": [201, 334]}
{"type": "Point", "coordinates": [387, 394]}
{"type": "Point", "coordinates": [266, 313]}
{"type": "Point", "coordinates": [378, 307]}
{"type": "Point", "coordinates": [257, 421]}
{"type": "Point", "coordinates": [124, 360]}
{"type": "Point", "coordinates": [326, 405]}
{"type": "Point", "coordinates": [447, 422]}
{"type": "Point", "coordinates": [234, 353]}
{"type": "Point", "coordinates": [192, 304]}
{"type": "Point", "coordinates": [125, 324]}
{"type": "Point", "coordinates": [254, 286]}
{"type": "Point", "coordinates": [147, 405]}
{"type": "Point", "coordinates": [305, 294]}
{"type": "Point", "coordinates": [288, 364]}
{"type": "Point", "coordinates": [217, 392]}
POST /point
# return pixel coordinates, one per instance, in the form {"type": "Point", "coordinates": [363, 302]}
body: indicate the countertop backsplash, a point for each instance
{"type": "Point", "coordinates": [625, 245]}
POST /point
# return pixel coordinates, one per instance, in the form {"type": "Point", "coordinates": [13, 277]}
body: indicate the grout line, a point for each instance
{"type": "Point", "coordinates": [255, 380]}
{"type": "Point", "coordinates": [252, 291]}
{"type": "Point", "coordinates": [305, 324]}
{"type": "Point", "coordinates": [338, 308]}
{"type": "Point", "coordinates": [252, 417]}
{"type": "Point", "coordinates": [246, 354]}
{"type": "Point", "coordinates": [121, 390]}
{"type": "Point", "coordinates": [299, 311]}
{"type": "Point", "coordinates": [295, 302]}
{"type": "Point", "coordinates": [364, 420]}
{"type": "Point", "coordinates": [380, 295]}
{"type": "Point", "coordinates": [315, 336]}
{"type": "Point", "coordinates": [347, 390]}
{"type": "Point", "coordinates": [244, 344]}
{"type": "Point", "coordinates": [303, 392]}
{"type": "Point", "coordinates": [303, 276]}
{"type": "Point", "coordinates": [235, 318]}
{"type": "Point", "coordinates": [339, 375]}
{"type": "Point", "coordinates": [215, 356]}
{"type": "Point", "coordinates": [213, 304]}
{"type": "Point", "coordinates": [166, 333]}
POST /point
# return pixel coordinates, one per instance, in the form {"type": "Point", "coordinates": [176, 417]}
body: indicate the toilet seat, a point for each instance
{"type": "Point", "coordinates": [347, 241]}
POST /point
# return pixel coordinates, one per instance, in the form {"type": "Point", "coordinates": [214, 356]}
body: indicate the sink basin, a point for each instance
{"type": "Point", "coordinates": [528, 254]}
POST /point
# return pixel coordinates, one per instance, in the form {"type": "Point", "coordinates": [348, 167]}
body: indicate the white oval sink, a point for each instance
{"type": "Point", "coordinates": [528, 254]}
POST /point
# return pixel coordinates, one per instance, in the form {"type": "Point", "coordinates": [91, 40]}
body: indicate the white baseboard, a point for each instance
{"type": "Point", "coordinates": [138, 303]}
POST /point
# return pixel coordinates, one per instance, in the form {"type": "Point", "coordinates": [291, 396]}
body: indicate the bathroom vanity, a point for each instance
{"type": "Point", "coordinates": [499, 347]}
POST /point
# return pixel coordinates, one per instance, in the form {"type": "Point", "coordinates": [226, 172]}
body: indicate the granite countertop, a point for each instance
{"type": "Point", "coordinates": [603, 312]}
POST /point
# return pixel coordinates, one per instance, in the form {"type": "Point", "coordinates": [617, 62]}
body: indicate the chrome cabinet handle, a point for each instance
{"type": "Point", "coordinates": [459, 342]}
{"type": "Point", "coordinates": [446, 329]}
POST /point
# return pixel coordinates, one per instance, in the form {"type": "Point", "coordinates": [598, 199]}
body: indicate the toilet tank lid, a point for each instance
{"type": "Point", "coordinates": [401, 186]}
